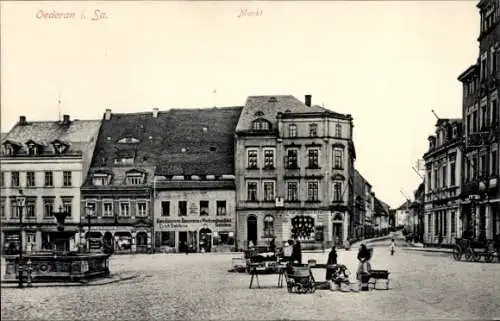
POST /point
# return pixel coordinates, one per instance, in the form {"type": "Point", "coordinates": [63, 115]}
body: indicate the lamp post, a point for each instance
{"type": "Point", "coordinates": [88, 211]}
{"type": "Point", "coordinates": [20, 200]}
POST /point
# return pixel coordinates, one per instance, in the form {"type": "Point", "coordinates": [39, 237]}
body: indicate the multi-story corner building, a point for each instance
{"type": "Point", "coordinates": [116, 195]}
{"type": "Point", "coordinates": [194, 187]}
{"type": "Point", "coordinates": [294, 172]}
{"type": "Point", "coordinates": [443, 163]}
{"type": "Point", "coordinates": [481, 117]}
{"type": "Point", "coordinates": [46, 162]}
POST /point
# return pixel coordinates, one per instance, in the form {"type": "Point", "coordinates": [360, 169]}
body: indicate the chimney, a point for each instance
{"type": "Point", "coordinates": [65, 119]}
{"type": "Point", "coordinates": [107, 115]}
{"type": "Point", "coordinates": [22, 120]}
{"type": "Point", "coordinates": [155, 112]}
{"type": "Point", "coordinates": [308, 100]}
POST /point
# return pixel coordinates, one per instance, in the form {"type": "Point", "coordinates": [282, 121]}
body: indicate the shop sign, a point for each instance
{"type": "Point", "coordinates": [186, 223]}
{"type": "Point", "coordinates": [95, 244]}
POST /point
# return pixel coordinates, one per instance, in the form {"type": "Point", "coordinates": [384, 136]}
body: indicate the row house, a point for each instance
{"type": "Point", "coordinates": [443, 164]}
{"type": "Point", "coordinates": [45, 162]}
{"type": "Point", "coordinates": [116, 195]}
{"type": "Point", "coordinates": [416, 214]}
{"type": "Point", "coordinates": [194, 184]}
{"type": "Point", "coordinates": [402, 213]}
{"type": "Point", "coordinates": [481, 121]}
{"type": "Point", "coordinates": [381, 217]}
{"type": "Point", "coordinates": [294, 173]}
{"type": "Point", "coordinates": [371, 215]}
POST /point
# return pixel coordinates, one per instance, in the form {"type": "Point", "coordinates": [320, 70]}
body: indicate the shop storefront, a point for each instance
{"type": "Point", "coordinates": [119, 241]}
{"type": "Point", "coordinates": [194, 235]}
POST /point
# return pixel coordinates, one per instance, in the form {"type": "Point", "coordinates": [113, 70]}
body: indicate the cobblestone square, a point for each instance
{"type": "Point", "coordinates": [198, 286]}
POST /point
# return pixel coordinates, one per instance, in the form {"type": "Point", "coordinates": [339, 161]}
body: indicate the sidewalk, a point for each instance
{"type": "Point", "coordinates": [113, 278]}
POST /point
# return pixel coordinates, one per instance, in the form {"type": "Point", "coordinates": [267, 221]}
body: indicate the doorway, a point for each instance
{"type": "Point", "coordinates": [108, 245]}
{"type": "Point", "coordinates": [337, 229]}
{"type": "Point", "coordinates": [205, 240]}
{"type": "Point", "coordinates": [183, 241]}
{"type": "Point", "coordinates": [252, 229]}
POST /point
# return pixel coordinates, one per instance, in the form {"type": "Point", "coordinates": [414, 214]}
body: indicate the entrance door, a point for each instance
{"type": "Point", "coordinates": [205, 240]}
{"type": "Point", "coordinates": [183, 241]}
{"type": "Point", "coordinates": [108, 245]}
{"type": "Point", "coordinates": [252, 229]}
{"type": "Point", "coordinates": [337, 233]}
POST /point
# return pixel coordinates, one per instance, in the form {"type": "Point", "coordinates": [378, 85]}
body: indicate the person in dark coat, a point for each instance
{"type": "Point", "coordinates": [496, 244]}
{"type": "Point", "coordinates": [272, 245]}
{"type": "Point", "coordinates": [332, 259]}
{"type": "Point", "coordinates": [364, 256]}
{"type": "Point", "coordinates": [297, 252]}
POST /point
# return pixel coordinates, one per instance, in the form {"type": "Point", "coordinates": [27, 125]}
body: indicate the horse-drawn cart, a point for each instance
{"type": "Point", "coordinates": [473, 250]}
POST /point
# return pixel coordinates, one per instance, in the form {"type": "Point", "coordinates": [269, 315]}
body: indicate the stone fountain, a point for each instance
{"type": "Point", "coordinates": [56, 266]}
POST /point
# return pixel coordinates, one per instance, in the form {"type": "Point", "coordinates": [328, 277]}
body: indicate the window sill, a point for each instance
{"type": "Point", "coordinates": [314, 167]}
{"type": "Point", "coordinates": [338, 168]}
{"type": "Point", "coordinates": [252, 168]}
{"type": "Point", "coordinates": [313, 201]}
{"type": "Point", "coordinates": [269, 168]}
{"type": "Point", "coordinates": [292, 168]}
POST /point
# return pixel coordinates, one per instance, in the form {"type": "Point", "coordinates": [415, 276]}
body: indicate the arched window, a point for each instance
{"type": "Point", "coordinates": [268, 226]}
{"type": "Point", "coordinates": [261, 124]}
{"type": "Point", "coordinates": [303, 227]}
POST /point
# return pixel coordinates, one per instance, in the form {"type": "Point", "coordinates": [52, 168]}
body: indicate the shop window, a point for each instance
{"type": "Point", "coordinates": [268, 226]}
{"type": "Point", "coordinates": [223, 238]}
{"type": "Point", "coordinates": [303, 227]}
{"type": "Point", "coordinates": [203, 208]}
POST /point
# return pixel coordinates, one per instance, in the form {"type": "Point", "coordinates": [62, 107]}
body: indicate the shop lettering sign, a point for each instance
{"type": "Point", "coordinates": [184, 223]}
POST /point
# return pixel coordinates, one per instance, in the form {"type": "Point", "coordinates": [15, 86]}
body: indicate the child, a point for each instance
{"type": "Point", "coordinates": [393, 247]}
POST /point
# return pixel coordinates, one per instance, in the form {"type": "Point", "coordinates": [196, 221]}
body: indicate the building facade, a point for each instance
{"type": "Point", "coordinates": [481, 118]}
{"type": "Point", "coordinates": [294, 173]}
{"type": "Point", "coordinates": [442, 183]}
{"type": "Point", "coordinates": [46, 162]}
{"type": "Point", "coordinates": [116, 195]}
{"type": "Point", "coordinates": [194, 187]}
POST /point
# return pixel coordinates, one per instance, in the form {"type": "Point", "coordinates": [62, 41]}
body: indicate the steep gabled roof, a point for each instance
{"type": "Point", "coordinates": [199, 142]}
{"type": "Point", "coordinates": [268, 107]}
{"type": "Point", "coordinates": [77, 133]}
{"type": "Point", "coordinates": [176, 142]}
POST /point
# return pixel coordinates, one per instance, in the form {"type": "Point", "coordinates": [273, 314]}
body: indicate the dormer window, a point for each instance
{"type": "Point", "coordinates": [9, 149]}
{"type": "Point", "coordinates": [59, 147]}
{"type": "Point", "coordinates": [101, 179]}
{"type": "Point", "coordinates": [432, 142]}
{"type": "Point", "coordinates": [129, 140]}
{"type": "Point", "coordinates": [135, 178]}
{"type": "Point", "coordinates": [261, 124]}
{"type": "Point", "coordinates": [124, 161]}
{"type": "Point", "coordinates": [259, 114]}
{"type": "Point", "coordinates": [32, 149]}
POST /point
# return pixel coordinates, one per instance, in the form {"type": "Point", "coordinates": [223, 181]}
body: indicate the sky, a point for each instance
{"type": "Point", "coordinates": [386, 63]}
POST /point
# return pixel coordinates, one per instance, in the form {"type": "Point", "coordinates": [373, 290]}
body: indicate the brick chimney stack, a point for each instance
{"type": "Point", "coordinates": [308, 100]}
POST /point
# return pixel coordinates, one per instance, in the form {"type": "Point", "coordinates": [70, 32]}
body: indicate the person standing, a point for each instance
{"type": "Point", "coordinates": [272, 246]}
{"type": "Point", "coordinates": [393, 247]}
{"type": "Point", "coordinates": [332, 260]}
{"type": "Point", "coordinates": [297, 252]}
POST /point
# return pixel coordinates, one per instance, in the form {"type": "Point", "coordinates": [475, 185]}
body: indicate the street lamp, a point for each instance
{"type": "Point", "coordinates": [88, 212]}
{"type": "Point", "coordinates": [20, 201]}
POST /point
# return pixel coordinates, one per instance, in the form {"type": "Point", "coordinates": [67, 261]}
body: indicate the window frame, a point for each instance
{"type": "Point", "coordinates": [266, 158]}
{"type": "Point", "coordinates": [268, 224]}
{"type": "Point", "coordinates": [314, 197]}
{"type": "Point", "coordinates": [207, 212]}
{"type": "Point", "coordinates": [48, 179]}
{"type": "Point", "coordinates": [264, 183]}
{"type": "Point", "coordinates": [89, 202]}
{"type": "Point", "coordinates": [252, 165]}
{"type": "Point", "coordinates": [292, 130]}
{"type": "Point", "coordinates": [247, 187]}
{"type": "Point", "coordinates": [146, 207]}
{"type": "Point", "coordinates": [313, 130]}
{"type": "Point", "coordinates": [165, 207]}
{"type": "Point", "coordinates": [67, 179]}
{"type": "Point", "coordinates": [120, 210]}
{"type": "Point", "coordinates": [30, 179]}
{"type": "Point", "coordinates": [219, 207]}
{"type": "Point", "coordinates": [313, 160]}
{"type": "Point", "coordinates": [104, 203]}
{"type": "Point", "coordinates": [288, 190]}
{"type": "Point", "coordinates": [179, 208]}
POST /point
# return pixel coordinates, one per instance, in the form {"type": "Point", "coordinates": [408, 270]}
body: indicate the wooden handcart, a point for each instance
{"type": "Point", "coordinates": [473, 251]}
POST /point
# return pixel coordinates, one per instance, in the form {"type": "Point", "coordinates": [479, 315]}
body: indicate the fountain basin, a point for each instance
{"type": "Point", "coordinates": [57, 267]}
